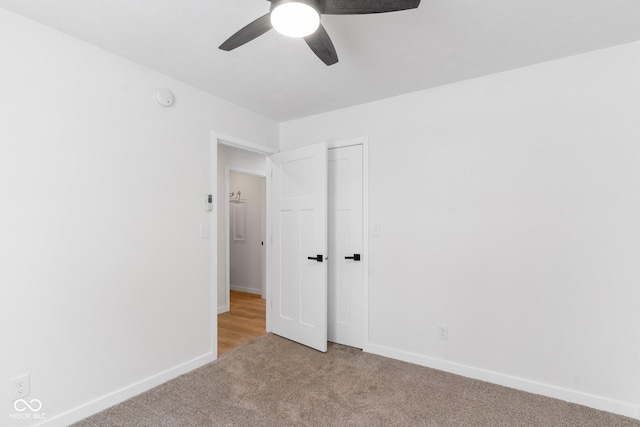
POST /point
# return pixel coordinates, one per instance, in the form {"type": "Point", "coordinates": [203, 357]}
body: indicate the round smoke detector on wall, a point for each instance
{"type": "Point", "coordinates": [163, 97]}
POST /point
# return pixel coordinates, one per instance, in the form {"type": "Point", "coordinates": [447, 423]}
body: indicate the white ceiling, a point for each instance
{"type": "Point", "coordinates": [382, 55]}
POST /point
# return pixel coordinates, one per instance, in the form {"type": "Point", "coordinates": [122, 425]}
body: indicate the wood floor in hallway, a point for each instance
{"type": "Point", "coordinates": [246, 320]}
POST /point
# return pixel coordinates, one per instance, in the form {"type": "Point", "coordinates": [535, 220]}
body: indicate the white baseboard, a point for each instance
{"type": "Point", "coordinates": [247, 290]}
{"type": "Point", "coordinates": [104, 402]}
{"type": "Point", "coordinates": [593, 401]}
{"type": "Point", "coordinates": [568, 395]}
{"type": "Point", "coordinates": [223, 309]}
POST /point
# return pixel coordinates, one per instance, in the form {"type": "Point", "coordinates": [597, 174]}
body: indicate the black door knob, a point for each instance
{"type": "Point", "coordinates": [355, 257]}
{"type": "Point", "coordinates": [316, 258]}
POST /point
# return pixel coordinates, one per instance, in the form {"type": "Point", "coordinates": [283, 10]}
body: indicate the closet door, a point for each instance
{"type": "Point", "coordinates": [299, 245]}
{"type": "Point", "coordinates": [346, 287]}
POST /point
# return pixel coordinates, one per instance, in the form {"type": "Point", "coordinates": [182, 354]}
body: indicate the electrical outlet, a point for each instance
{"type": "Point", "coordinates": [443, 331]}
{"type": "Point", "coordinates": [20, 387]}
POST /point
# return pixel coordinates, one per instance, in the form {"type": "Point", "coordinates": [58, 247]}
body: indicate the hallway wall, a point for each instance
{"type": "Point", "coordinates": [246, 255]}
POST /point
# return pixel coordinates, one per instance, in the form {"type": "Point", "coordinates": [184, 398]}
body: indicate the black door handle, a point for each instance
{"type": "Point", "coordinates": [316, 258]}
{"type": "Point", "coordinates": [355, 257]}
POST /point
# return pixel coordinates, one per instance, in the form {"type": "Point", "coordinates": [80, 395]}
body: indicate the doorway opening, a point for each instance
{"type": "Point", "coordinates": [231, 156]}
{"type": "Point", "coordinates": [241, 246]}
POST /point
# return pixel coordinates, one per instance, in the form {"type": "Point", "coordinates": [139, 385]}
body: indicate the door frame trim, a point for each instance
{"type": "Point", "coordinates": [243, 144]}
{"type": "Point", "coordinates": [268, 242]}
{"type": "Point", "coordinates": [364, 142]}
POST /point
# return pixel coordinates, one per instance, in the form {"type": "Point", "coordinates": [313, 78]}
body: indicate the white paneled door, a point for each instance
{"type": "Point", "coordinates": [299, 245]}
{"type": "Point", "coordinates": [345, 290]}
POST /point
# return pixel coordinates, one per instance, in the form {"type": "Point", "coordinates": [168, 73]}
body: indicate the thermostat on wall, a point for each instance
{"type": "Point", "coordinates": [163, 97]}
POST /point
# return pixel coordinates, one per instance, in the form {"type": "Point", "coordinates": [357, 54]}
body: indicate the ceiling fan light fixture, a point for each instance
{"type": "Point", "coordinates": [295, 18]}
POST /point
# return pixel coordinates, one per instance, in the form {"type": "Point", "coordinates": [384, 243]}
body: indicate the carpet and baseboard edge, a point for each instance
{"type": "Point", "coordinates": [94, 406]}
{"type": "Point", "coordinates": [597, 402]}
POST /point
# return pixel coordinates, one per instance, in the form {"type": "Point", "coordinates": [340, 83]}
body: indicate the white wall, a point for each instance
{"type": "Point", "coordinates": [509, 208]}
{"type": "Point", "coordinates": [105, 284]}
{"type": "Point", "coordinates": [245, 257]}
{"type": "Point", "coordinates": [230, 158]}
{"type": "Point", "coordinates": [508, 205]}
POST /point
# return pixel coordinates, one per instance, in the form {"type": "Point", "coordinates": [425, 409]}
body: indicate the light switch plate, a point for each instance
{"type": "Point", "coordinates": [204, 230]}
{"type": "Point", "coordinates": [375, 229]}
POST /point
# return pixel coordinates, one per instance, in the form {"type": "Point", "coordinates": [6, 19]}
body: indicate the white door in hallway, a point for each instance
{"type": "Point", "coordinates": [298, 265]}
{"type": "Point", "coordinates": [346, 291]}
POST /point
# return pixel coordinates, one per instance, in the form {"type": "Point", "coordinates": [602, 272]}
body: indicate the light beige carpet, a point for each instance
{"type": "Point", "coordinates": [271, 381]}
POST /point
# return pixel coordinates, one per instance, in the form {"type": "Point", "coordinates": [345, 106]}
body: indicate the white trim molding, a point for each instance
{"type": "Point", "coordinates": [232, 141]}
{"type": "Point", "coordinates": [363, 140]}
{"type": "Point", "coordinates": [108, 400]}
{"type": "Point", "coordinates": [247, 289]}
{"type": "Point", "coordinates": [597, 402]}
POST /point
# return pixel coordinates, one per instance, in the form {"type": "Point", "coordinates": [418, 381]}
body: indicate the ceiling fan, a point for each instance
{"type": "Point", "coordinates": [301, 18]}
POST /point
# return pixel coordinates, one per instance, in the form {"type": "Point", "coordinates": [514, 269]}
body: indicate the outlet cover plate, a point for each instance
{"type": "Point", "coordinates": [20, 387]}
{"type": "Point", "coordinates": [443, 331]}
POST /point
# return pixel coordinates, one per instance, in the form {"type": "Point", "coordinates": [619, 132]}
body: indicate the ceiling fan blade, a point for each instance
{"type": "Point", "coordinates": [321, 44]}
{"type": "Point", "coordinates": [248, 33]}
{"type": "Point", "coordinates": [357, 7]}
